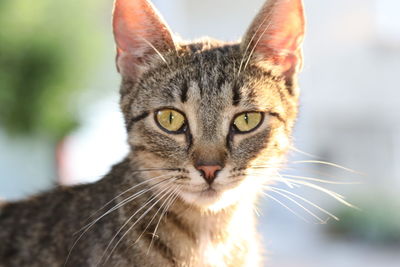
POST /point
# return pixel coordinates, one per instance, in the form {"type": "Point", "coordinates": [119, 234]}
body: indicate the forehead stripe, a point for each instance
{"type": "Point", "coordinates": [236, 94]}
{"type": "Point", "coordinates": [184, 90]}
{"type": "Point", "coordinates": [136, 119]}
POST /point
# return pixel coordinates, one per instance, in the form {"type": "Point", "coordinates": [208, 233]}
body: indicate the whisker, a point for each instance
{"type": "Point", "coordinates": [255, 46]}
{"type": "Point", "coordinates": [302, 152]}
{"type": "Point", "coordinates": [249, 44]}
{"type": "Point", "coordinates": [298, 204]}
{"type": "Point", "coordinates": [90, 225]}
{"type": "Point", "coordinates": [328, 164]}
{"type": "Point", "coordinates": [319, 180]}
{"type": "Point", "coordinates": [267, 167]}
{"type": "Point", "coordinates": [287, 178]}
{"type": "Point", "coordinates": [331, 193]}
{"type": "Point", "coordinates": [335, 195]}
{"type": "Point", "coordinates": [173, 199]}
{"type": "Point", "coordinates": [152, 219]}
{"type": "Point", "coordinates": [157, 169]}
{"type": "Point", "coordinates": [274, 178]}
{"type": "Point", "coordinates": [123, 202]}
{"type": "Point", "coordinates": [288, 183]}
{"type": "Point", "coordinates": [130, 228]}
{"type": "Point", "coordinates": [156, 50]}
{"type": "Point", "coordinates": [128, 190]}
{"type": "Point", "coordinates": [257, 211]}
{"type": "Point", "coordinates": [324, 174]}
{"type": "Point", "coordinates": [307, 201]}
{"type": "Point", "coordinates": [285, 206]}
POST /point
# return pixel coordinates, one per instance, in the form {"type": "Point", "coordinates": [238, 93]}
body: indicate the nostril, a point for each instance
{"type": "Point", "coordinates": [209, 172]}
{"type": "Point", "coordinates": [202, 173]}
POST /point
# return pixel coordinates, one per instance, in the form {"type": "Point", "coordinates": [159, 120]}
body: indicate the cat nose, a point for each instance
{"type": "Point", "coordinates": [209, 172]}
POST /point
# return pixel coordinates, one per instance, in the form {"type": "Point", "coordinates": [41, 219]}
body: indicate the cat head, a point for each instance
{"type": "Point", "coordinates": [212, 119]}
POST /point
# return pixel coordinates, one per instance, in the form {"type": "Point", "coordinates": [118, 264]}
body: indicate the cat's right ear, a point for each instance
{"type": "Point", "coordinates": [139, 33]}
{"type": "Point", "coordinates": [276, 35]}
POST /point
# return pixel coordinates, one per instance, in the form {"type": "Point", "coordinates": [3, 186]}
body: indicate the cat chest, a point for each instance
{"type": "Point", "coordinates": [210, 253]}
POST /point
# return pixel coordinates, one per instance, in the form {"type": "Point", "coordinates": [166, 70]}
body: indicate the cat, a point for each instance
{"type": "Point", "coordinates": [208, 124]}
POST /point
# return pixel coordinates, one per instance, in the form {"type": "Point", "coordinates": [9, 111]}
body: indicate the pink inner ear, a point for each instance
{"type": "Point", "coordinates": [139, 32]}
{"type": "Point", "coordinates": [136, 24]}
{"type": "Point", "coordinates": [290, 26]}
{"type": "Point", "coordinates": [279, 33]}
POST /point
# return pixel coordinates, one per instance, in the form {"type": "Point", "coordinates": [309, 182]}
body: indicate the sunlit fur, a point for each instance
{"type": "Point", "coordinates": [154, 208]}
{"type": "Point", "coordinates": [208, 70]}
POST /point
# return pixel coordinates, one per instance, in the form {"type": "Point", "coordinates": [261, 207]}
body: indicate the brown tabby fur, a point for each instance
{"type": "Point", "coordinates": [177, 226]}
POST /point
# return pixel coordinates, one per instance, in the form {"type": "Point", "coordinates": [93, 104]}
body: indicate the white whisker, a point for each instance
{"type": "Point", "coordinates": [123, 202]}
{"type": "Point", "coordinates": [328, 164]}
{"type": "Point", "coordinates": [119, 205]}
{"type": "Point", "coordinates": [154, 216]}
{"type": "Point", "coordinates": [128, 190]}
{"type": "Point", "coordinates": [307, 201]}
{"type": "Point", "coordinates": [163, 213]}
{"type": "Point", "coordinates": [255, 46]}
{"type": "Point", "coordinates": [130, 228]}
{"type": "Point", "coordinates": [156, 50]}
{"type": "Point", "coordinates": [248, 45]}
{"type": "Point", "coordinates": [298, 204]}
{"type": "Point", "coordinates": [287, 182]}
{"type": "Point", "coordinates": [335, 195]}
{"type": "Point", "coordinates": [302, 152]}
{"type": "Point", "coordinates": [318, 180]}
{"type": "Point", "coordinates": [285, 206]}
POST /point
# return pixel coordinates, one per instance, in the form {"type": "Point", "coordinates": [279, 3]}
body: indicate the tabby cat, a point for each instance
{"type": "Point", "coordinates": [208, 125]}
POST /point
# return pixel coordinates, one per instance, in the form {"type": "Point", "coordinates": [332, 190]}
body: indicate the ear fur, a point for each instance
{"type": "Point", "coordinates": [276, 35]}
{"type": "Point", "coordinates": [139, 32]}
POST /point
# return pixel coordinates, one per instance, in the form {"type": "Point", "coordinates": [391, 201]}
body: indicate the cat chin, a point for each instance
{"type": "Point", "coordinates": [212, 200]}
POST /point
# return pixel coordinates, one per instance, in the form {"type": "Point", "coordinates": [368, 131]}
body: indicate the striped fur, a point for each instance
{"type": "Point", "coordinates": [162, 212]}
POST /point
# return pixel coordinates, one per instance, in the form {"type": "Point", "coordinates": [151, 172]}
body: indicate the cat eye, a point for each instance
{"type": "Point", "coordinates": [247, 121]}
{"type": "Point", "coordinates": [170, 120]}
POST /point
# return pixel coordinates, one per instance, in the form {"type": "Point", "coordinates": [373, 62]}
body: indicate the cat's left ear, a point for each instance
{"type": "Point", "coordinates": [276, 35]}
{"type": "Point", "coordinates": [139, 32]}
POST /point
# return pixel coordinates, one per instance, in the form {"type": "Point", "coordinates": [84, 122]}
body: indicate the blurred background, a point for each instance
{"type": "Point", "coordinates": [60, 123]}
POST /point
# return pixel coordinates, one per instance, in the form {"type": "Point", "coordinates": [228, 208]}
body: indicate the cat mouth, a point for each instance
{"type": "Point", "coordinates": [214, 190]}
{"type": "Point", "coordinates": [209, 192]}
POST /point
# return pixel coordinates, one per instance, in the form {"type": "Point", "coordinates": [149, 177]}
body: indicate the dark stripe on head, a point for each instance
{"type": "Point", "coordinates": [236, 94]}
{"type": "Point", "coordinates": [137, 148]}
{"type": "Point", "coordinates": [136, 119]}
{"type": "Point", "coordinates": [220, 81]}
{"type": "Point", "coordinates": [201, 86]}
{"type": "Point", "coordinates": [184, 91]}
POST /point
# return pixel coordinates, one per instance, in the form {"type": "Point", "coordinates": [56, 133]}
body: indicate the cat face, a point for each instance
{"type": "Point", "coordinates": [216, 117]}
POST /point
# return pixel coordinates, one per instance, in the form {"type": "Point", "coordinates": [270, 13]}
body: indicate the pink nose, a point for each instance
{"type": "Point", "coordinates": [209, 172]}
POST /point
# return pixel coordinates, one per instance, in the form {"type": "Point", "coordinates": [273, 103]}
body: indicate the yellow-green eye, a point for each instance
{"type": "Point", "coordinates": [170, 120]}
{"type": "Point", "coordinates": [247, 121]}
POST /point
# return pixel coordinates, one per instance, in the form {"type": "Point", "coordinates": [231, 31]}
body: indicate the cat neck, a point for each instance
{"type": "Point", "coordinates": [199, 219]}
{"type": "Point", "coordinates": [224, 238]}
{"type": "Point", "coordinates": [196, 236]}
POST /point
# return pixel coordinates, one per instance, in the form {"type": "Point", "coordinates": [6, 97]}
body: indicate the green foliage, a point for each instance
{"type": "Point", "coordinates": [46, 51]}
{"type": "Point", "coordinates": [378, 222]}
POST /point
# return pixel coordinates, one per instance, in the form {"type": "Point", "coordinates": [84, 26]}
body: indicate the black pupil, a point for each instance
{"type": "Point", "coordinates": [246, 118]}
{"type": "Point", "coordinates": [171, 117]}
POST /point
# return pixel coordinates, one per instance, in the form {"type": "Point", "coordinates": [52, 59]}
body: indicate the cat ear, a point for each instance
{"type": "Point", "coordinates": [277, 33]}
{"type": "Point", "coordinates": [139, 32]}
